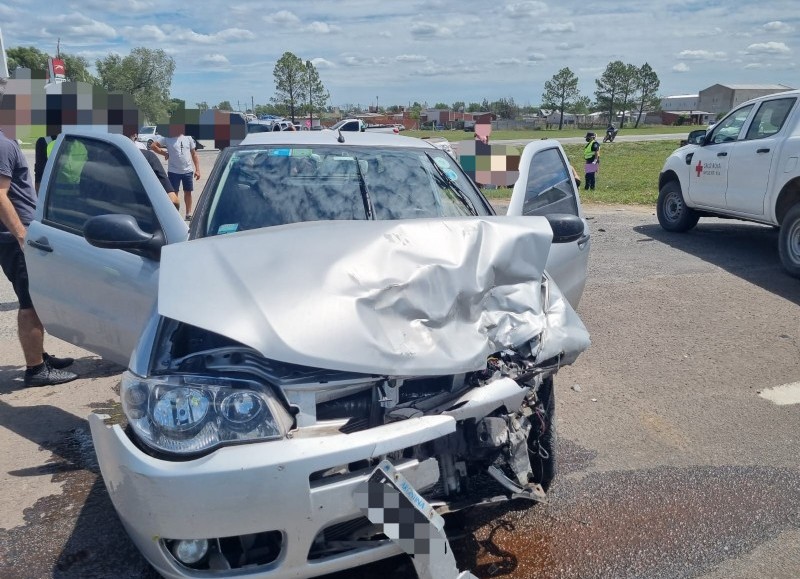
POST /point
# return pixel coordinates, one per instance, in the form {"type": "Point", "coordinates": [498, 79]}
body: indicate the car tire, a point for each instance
{"type": "Point", "coordinates": [542, 438]}
{"type": "Point", "coordinates": [789, 241]}
{"type": "Point", "coordinates": [673, 213]}
{"type": "Point", "coordinates": [149, 142]}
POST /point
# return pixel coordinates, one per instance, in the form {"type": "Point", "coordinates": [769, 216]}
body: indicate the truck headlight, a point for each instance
{"type": "Point", "coordinates": [187, 414]}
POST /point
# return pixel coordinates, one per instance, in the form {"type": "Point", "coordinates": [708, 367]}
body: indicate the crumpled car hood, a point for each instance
{"type": "Point", "coordinates": [398, 298]}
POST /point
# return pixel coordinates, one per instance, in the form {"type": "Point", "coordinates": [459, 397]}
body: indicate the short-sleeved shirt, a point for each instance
{"type": "Point", "coordinates": [22, 195]}
{"type": "Point", "coordinates": [180, 153]}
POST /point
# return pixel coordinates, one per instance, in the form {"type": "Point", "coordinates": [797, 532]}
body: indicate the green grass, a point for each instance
{"type": "Point", "coordinates": [550, 134]}
{"type": "Point", "coordinates": [628, 172]}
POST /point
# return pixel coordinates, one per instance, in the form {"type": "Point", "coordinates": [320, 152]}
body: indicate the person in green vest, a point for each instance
{"type": "Point", "coordinates": [591, 156]}
{"type": "Point", "coordinates": [43, 147]}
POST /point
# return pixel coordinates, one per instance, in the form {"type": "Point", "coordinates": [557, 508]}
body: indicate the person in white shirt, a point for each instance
{"type": "Point", "coordinates": [182, 164]}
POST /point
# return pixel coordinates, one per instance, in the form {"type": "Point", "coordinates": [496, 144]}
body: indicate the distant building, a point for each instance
{"type": "Point", "coordinates": [680, 102]}
{"type": "Point", "coordinates": [720, 98]}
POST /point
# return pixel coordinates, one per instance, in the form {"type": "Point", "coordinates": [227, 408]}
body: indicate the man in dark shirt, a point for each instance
{"type": "Point", "coordinates": [17, 206]}
{"type": "Point", "coordinates": [155, 164]}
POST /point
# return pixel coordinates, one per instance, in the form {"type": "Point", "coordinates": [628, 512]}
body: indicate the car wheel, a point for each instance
{"type": "Point", "coordinates": [542, 438]}
{"type": "Point", "coordinates": [673, 213]}
{"type": "Point", "coordinates": [149, 142]}
{"type": "Point", "coordinates": [789, 241]}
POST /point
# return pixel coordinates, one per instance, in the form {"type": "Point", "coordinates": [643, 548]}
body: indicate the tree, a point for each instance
{"type": "Point", "coordinates": [505, 108]}
{"type": "Point", "coordinates": [290, 80]}
{"type": "Point", "coordinates": [561, 92]}
{"type": "Point", "coordinates": [224, 106]}
{"type": "Point", "coordinates": [77, 68]}
{"type": "Point", "coordinates": [441, 106]}
{"type": "Point", "coordinates": [145, 74]}
{"type": "Point", "coordinates": [458, 106]}
{"type": "Point", "coordinates": [33, 58]}
{"type": "Point", "coordinates": [627, 89]}
{"type": "Point", "coordinates": [474, 108]}
{"type": "Point", "coordinates": [609, 86]}
{"type": "Point", "coordinates": [201, 106]}
{"type": "Point", "coordinates": [27, 57]}
{"type": "Point", "coordinates": [647, 84]}
{"type": "Point", "coordinates": [581, 105]}
{"type": "Point", "coordinates": [316, 92]}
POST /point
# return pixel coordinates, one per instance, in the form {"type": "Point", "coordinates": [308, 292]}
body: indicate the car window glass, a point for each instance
{"type": "Point", "coordinates": [265, 186]}
{"type": "Point", "coordinates": [770, 118]}
{"type": "Point", "coordinates": [729, 128]}
{"type": "Point", "coordinates": [550, 187]}
{"type": "Point", "coordinates": [92, 177]}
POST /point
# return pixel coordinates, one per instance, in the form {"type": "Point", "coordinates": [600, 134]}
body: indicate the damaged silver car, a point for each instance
{"type": "Point", "coordinates": [346, 314]}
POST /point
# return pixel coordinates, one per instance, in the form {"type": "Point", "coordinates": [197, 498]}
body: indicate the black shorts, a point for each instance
{"type": "Point", "coordinates": [13, 262]}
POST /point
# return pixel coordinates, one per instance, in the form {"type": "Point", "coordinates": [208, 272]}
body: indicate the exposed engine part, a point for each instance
{"type": "Point", "coordinates": [533, 492]}
{"type": "Point", "coordinates": [389, 393]}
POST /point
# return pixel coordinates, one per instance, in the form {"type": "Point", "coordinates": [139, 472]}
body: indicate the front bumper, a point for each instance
{"type": "Point", "coordinates": [255, 488]}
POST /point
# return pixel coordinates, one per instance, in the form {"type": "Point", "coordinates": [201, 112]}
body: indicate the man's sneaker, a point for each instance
{"type": "Point", "coordinates": [188, 217]}
{"type": "Point", "coordinates": [57, 363]}
{"type": "Point", "coordinates": [46, 375]}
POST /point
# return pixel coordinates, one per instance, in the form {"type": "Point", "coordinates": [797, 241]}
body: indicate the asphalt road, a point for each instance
{"type": "Point", "coordinates": [671, 463]}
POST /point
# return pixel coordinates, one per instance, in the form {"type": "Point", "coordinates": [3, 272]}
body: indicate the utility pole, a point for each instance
{"type": "Point", "coordinates": [252, 105]}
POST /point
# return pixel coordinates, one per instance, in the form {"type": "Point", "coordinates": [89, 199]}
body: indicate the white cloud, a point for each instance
{"type": "Point", "coordinates": [526, 9]}
{"type": "Point", "coordinates": [768, 48]}
{"type": "Point", "coordinates": [777, 27]}
{"type": "Point", "coordinates": [215, 61]}
{"type": "Point", "coordinates": [755, 65]}
{"type": "Point", "coordinates": [702, 55]}
{"type": "Point", "coordinates": [170, 33]}
{"type": "Point", "coordinates": [322, 28]}
{"type": "Point", "coordinates": [570, 45]}
{"type": "Point", "coordinates": [282, 17]}
{"type": "Point", "coordinates": [557, 27]}
{"type": "Point", "coordinates": [385, 34]}
{"type": "Point", "coordinates": [410, 58]}
{"type": "Point", "coordinates": [359, 60]}
{"type": "Point", "coordinates": [428, 30]}
{"type": "Point", "coordinates": [118, 6]}
{"type": "Point", "coordinates": [681, 67]}
{"type": "Point", "coordinates": [322, 63]}
{"type": "Point", "coordinates": [80, 26]}
{"type": "Point", "coordinates": [536, 57]}
{"type": "Point", "coordinates": [508, 62]}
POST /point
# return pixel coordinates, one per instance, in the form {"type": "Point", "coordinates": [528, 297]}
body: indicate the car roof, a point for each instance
{"type": "Point", "coordinates": [328, 137]}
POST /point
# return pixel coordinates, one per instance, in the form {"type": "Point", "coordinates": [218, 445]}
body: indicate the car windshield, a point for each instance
{"type": "Point", "coordinates": [147, 130]}
{"type": "Point", "coordinates": [262, 186]}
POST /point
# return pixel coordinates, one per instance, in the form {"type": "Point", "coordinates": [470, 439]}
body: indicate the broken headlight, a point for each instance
{"type": "Point", "coordinates": [187, 414]}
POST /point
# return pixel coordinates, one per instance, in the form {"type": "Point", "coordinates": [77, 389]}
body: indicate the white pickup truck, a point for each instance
{"type": "Point", "coordinates": [746, 167]}
{"type": "Point", "coordinates": [357, 125]}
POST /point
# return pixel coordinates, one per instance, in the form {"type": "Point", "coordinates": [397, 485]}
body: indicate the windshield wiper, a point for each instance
{"type": "Point", "coordinates": [362, 185]}
{"type": "Point", "coordinates": [452, 185]}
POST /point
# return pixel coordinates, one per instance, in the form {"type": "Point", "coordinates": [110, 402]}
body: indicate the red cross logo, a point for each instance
{"type": "Point", "coordinates": [699, 168]}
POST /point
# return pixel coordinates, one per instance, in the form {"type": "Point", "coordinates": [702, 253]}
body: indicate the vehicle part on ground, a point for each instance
{"type": "Point", "coordinates": [672, 211]}
{"type": "Point", "coordinates": [789, 241]}
{"type": "Point", "coordinates": [542, 440]}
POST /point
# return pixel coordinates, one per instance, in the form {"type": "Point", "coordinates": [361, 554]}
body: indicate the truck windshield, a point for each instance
{"type": "Point", "coordinates": [265, 186]}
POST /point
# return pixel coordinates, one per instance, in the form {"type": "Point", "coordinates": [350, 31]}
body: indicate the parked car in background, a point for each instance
{"type": "Point", "coordinates": [744, 167]}
{"type": "Point", "coordinates": [356, 306]}
{"type": "Point", "coordinates": [147, 134]}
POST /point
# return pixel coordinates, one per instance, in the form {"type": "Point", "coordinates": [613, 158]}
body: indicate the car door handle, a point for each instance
{"type": "Point", "coordinates": [583, 241]}
{"type": "Point", "coordinates": [763, 151]}
{"type": "Point", "coordinates": [722, 154]}
{"type": "Point", "coordinates": [41, 243]}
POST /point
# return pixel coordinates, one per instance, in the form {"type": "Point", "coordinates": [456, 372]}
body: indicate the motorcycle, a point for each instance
{"type": "Point", "coordinates": [611, 134]}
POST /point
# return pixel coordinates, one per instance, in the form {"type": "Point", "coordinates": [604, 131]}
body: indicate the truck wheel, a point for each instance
{"type": "Point", "coordinates": [673, 213]}
{"type": "Point", "coordinates": [789, 241]}
{"type": "Point", "coordinates": [542, 438]}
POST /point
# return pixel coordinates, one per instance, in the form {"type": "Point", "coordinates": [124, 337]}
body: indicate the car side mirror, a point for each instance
{"type": "Point", "coordinates": [116, 231]}
{"type": "Point", "coordinates": [566, 227]}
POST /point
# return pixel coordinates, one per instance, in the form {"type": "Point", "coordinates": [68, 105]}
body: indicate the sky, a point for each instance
{"type": "Point", "coordinates": [385, 53]}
